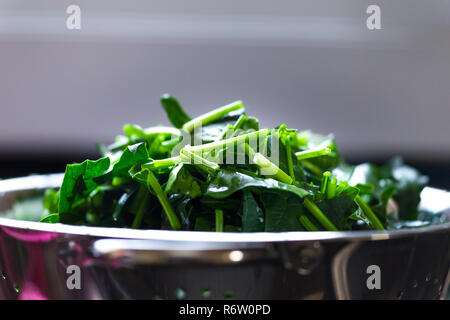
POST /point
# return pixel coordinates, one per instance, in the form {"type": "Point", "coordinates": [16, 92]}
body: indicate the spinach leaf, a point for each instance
{"type": "Point", "coordinates": [252, 214]}
{"type": "Point", "coordinates": [339, 208]}
{"type": "Point", "coordinates": [176, 114]}
{"type": "Point", "coordinates": [79, 181]}
{"type": "Point", "coordinates": [228, 182]}
{"type": "Point", "coordinates": [182, 182]}
{"type": "Point", "coordinates": [409, 183]}
{"type": "Point", "coordinates": [51, 200]}
{"type": "Point", "coordinates": [50, 218]}
{"type": "Point", "coordinates": [283, 211]}
{"type": "Point", "coordinates": [131, 156]}
{"type": "Point", "coordinates": [396, 180]}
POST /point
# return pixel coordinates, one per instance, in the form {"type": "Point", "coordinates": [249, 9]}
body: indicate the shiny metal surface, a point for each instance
{"type": "Point", "coordinates": [152, 264]}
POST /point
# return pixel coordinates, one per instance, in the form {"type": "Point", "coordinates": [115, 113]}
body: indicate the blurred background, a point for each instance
{"type": "Point", "coordinates": [310, 64]}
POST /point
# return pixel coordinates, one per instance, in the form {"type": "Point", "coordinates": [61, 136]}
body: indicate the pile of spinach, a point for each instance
{"type": "Point", "coordinates": [187, 177]}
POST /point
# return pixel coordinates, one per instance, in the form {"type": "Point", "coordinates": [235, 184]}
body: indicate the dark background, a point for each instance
{"type": "Point", "coordinates": [309, 64]}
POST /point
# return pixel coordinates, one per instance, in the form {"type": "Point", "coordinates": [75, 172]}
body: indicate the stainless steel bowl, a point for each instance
{"type": "Point", "coordinates": [36, 260]}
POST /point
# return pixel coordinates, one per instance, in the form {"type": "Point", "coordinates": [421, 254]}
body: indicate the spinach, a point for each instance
{"type": "Point", "coordinates": [394, 180]}
{"type": "Point", "coordinates": [51, 200]}
{"type": "Point", "coordinates": [131, 156]}
{"type": "Point", "coordinates": [176, 114]}
{"type": "Point", "coordinates": [409, 183]}
{"type": "Point", "coordinates": [232, 176]}
{"type": "Point", "coordinates": [79, 181]}
{"type": "Point", "coordinates": [228, 182]}
{"type": "Point", "coordinates": [213, 130]}
{"type": "Point", "coordinates": [182, 182]}
{"type": "Point", "coordinates": [283, 211]}
{"type": "Point", "coordinates": [252, 215]}
{"type": "Point", "coordinates": [50, 218]}
{"type": "Point", "coordinates": [338, 207]}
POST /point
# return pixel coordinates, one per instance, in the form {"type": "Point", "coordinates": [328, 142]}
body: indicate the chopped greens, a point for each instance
{"type": "Point", "coordinates": [221, 172]}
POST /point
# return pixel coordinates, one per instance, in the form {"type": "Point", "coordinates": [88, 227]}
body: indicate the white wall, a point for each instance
{"type": "Point", "coordinates": [311, 64]}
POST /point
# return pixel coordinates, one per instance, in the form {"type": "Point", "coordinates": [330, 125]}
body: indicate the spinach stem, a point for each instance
{"type": "Point", "coordinates": [240, 121]}
{"type": "Point", "coordinates": [162, 164]}
{"type": "Point", "coordinates": [138, 206]}
{"type": "Point", "coordinates": [272, 170]}
{"type": "Point", "coordinates": [191, 157]}
{"type": "Point", "coordinates": [341, 187]}
{"type": "Point", "coordinates": [153, 184]}
{"type": "Point", "coordinates": [315, 169]}
{"type": "Point", "coordinates": [331, 189]}
{"type": "Point", "coordinates": [150, 133]}
{"type": "Point", "coordinates": [219, 220]}
{"type": "Point", "coordinates": [161, 130]}
{"type": "Point", "coordinates": [313, 153]}
{"type": "Point", "coordinates": [369, 213]}
{"type": "Point", "coordinates": [319, 215]}
{"type": "Point", "coordinates": [138, 217]}
{"type": "Point", "coordinates": [308, 224]}
{"type": "Point", "coordinates": [325, 180]}
{"type": "Point", "coordinates": [222, 143]}
{"type": "Point", "coordinates": [249, 151]}
{"type": "Point", "coordinates": [224, 132]}
{"type": "Point", "coordinates": [251, 154]}
{"type": "Point", "coordinates": [212, 116]}
{"type": "Point", "coordinates": [289, 158]}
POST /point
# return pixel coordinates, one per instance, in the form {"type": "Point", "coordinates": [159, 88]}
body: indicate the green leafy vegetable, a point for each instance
{"type": "Point", "coordinates": [176, 114]}
{"type": "Point", "coordinates": [232, 176]}
{"type": "Point", "coordinates": [79, 181]}
{"type": "Point", "coordinates": [283, 211]}
{"type": "Point", "coordinates": [252, 215]}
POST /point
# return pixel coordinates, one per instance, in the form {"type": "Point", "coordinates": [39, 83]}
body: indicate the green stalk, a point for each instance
{"type": "Point", "coordinates": [162, 164]}
{"type": "Point", "coordinates": [315, 169]}
{"type": "Point", "coordinates": [251, 154]}
{"type": "Point", "coordinates": [342, 186]}
{"type": "Point", "coordinates": [212, 116]}
{"type": "Point", "coordinates": [289, 159]}
{"type": "Point", "coordinates": [240, 121]}
{"type": "Point", "coordinates": [150, 133]}
{"type": "Point", "coordinates": [325, 180]}
{"type": "Point", "coordinates": [222, 143]}
{"type": "Point", "coordinates": [162, 130]}
{"type": "Point", "coordinates": [224, 132]}
{"type": "Point", "coordinates": [219, 220]}
{"type": "Point", "coordinates": [319, 215]}
{"type": "Point", "coordinates": [154, 185]}
{"type": "Point", "coordinates": [191, 157]}
{"type": "Point", "coordinates": [308, 224]}
{"type": "Point", "coordinates": [312, 153]}
{"type": "Point", "coordinates": [264, 163]}
{"type": "Point", "coordinates": [249, 151]}
{"type": "Point", "coordinates": [168, 145]}
{"type": "Point", "coordinates": [138, 207]}
{"type": "Point", "coordinates": [138, 217]}
{"type": "Point", "coordinates": [369, 213]}
{"type": "Point", "coordinates": [331, 189]}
